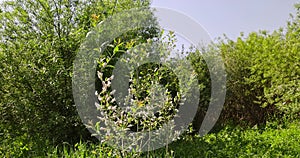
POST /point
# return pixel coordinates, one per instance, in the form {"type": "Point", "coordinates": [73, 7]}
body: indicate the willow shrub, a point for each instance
{"type": "Point", "coordinates": [263, 74]}
{"type": "Point", "coordinates": [38, 43]}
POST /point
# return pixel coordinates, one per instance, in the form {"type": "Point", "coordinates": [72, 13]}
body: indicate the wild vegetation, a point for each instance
{"type": "Point", "coordinates": [39, 41]}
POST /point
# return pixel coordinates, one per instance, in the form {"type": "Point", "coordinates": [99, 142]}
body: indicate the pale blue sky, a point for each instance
{"type": "Point", "coordinates": [233, 16]}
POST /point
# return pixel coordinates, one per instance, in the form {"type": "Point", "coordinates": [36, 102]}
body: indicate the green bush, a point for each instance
{"type": "Point", "coordinates": [263, 74]}
{"type": "Point", "coordinates": [38, 43]}
{"type": "Point", "coordinates": [40, 39]}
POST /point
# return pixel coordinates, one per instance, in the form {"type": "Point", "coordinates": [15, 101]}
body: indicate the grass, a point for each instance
{"type": "Point", "coordinates": [235, 142]}
{"type": "Point", "coordinates": [273, 140]}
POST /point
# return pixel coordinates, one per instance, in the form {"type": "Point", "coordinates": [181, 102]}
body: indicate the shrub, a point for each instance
{"type": "Point", "coordinates": [39, 41]}
{"type": "Point", "coordinates": [263, 74]}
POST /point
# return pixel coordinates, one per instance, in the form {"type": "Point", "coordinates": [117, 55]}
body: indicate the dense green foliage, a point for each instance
{"type": "Point", "coordinates": [263, 74]}
{"type": "Point", "coordinates": [38, 44]}
{"type": "Point", "coordinates": [274, 140]}
{"type": "Point", "coordinates": [39, 41]}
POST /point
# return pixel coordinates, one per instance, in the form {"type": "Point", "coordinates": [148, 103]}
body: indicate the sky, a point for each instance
{"type": "Point", "coordinates": [231, 17]}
